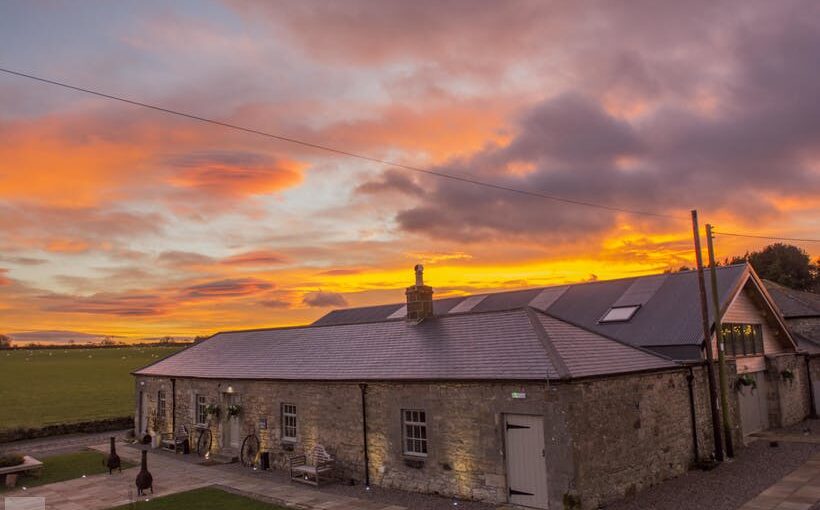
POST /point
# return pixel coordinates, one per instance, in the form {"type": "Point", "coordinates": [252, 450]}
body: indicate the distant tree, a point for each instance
{"type": "Point", "coordinates": [198, 339]}
{"type": "Point", "coordinates": [785, 264]}
{"type": "Point", "coordinates": [166, 340]}
{"type": "Point", "coordinates": [5, 342]}
{"type": "Point", "coordinates": [107, 341]}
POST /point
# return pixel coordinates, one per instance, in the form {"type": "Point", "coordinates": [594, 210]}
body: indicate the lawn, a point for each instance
{"type": "Point", "coordinates": [48, 386]}
{"type": "Point", "coordinates": [58, 468]}
{"type": "Point", "coordinates": [202, 499]}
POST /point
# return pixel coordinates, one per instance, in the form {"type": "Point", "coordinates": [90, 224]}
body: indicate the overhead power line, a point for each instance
{"type": "Point", "coordinates": [771, 238]}
{"type": "Point", "coordinates": [342, 152]}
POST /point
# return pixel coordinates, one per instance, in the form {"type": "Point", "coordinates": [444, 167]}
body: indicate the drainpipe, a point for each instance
{"type": "Point", "coordinates": [174, 407]}
{"type": "Point", "coordinates": [812, 405]}
{"type": "Point", "coordinates": [363, 387]}
{"type": "Point", "coordinates": [689, 380]}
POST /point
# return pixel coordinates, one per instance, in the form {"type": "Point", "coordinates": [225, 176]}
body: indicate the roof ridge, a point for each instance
{"type": "Point", "coordinates": [552, 351]}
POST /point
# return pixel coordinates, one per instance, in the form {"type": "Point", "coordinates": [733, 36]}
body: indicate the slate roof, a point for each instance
{"type": "Point", "coordinates": [520, 344]}
{"type": "Point", "coordinates": [668, 321]}
{"type": "Point", "coordinates": [794, 303]}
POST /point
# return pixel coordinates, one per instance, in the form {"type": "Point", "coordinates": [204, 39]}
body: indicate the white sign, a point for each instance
{"type": "Point", "coordinates": [519, 394]}
{"type": "Point", "coordinates": [25, 503]}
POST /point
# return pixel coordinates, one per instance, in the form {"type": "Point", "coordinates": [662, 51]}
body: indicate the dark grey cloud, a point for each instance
{"type": "Point", "coordinates": [227, 288]}
{"type": "Point", "coordinates": [322, 299]}
{"type": "Point", "coordinates": [755, 138]}
{"type": "Point", "coordinates": [275, 303]}
{"type": "Point", "coordinates": [121, 304]}
{"type": "Point", "coordinates": [391, 180]}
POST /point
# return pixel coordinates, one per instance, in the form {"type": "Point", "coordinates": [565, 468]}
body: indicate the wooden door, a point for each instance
{"type": "Point", "coordinates": [526, 465]}
{"type": "Point", "coordinates": [754, 405]}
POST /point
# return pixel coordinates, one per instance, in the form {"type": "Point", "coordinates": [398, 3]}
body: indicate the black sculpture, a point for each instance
{"type": "Point", "coordinates": [144, 478]}
{"type": "Point", "coordinates": [113, 459]}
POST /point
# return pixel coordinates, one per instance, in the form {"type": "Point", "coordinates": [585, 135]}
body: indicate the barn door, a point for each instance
{"type": "Point", "coordinates": [526, 465]}
{"type": "Point", "coordinates": [754, 405]}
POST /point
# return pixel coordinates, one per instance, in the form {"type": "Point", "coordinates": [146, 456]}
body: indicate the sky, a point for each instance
{"type": "Point", "coordinates": [123, 221]}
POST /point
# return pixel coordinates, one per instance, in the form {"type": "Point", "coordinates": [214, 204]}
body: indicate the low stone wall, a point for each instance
{"type": "Point", "coordinates": [84, 427]}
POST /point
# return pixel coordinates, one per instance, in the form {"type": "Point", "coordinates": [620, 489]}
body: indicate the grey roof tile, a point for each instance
{"type": "Point", "coordinates": [502, 345]}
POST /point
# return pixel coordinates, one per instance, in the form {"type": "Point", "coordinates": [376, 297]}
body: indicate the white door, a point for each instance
{"type": "Point", "coordinates": [754, 405]}
{"type": "Point", "coordinates": [232, 423]}
{"type": "Point", "coordinates": [526, 465]}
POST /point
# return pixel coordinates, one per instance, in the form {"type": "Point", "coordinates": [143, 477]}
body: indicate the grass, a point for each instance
{"type": "Point", "coordinates": [59, 468]}
{"type": "Point", "coordinates": [202, 499]}
{"type": "Point", "coordinates": [47, 386]}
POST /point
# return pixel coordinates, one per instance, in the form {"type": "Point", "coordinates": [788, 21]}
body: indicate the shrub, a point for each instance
{"type": "Point", "coordinates": [10, 459]}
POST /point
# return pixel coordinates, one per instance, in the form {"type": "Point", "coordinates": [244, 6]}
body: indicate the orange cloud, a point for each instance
{"type": "Point", "coordinates": [216, 178]}
{"type": "Point", "coordinates": [67, 246]}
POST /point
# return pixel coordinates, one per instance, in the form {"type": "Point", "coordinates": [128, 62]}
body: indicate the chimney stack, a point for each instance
{"type": "Point", "coordinates": [419, 298]}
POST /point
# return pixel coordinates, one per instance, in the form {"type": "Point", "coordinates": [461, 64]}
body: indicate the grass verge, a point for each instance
{"type": "Point", "coordinates": [59, 468]}
{"type": "Point", "coordinates": [208, 498]}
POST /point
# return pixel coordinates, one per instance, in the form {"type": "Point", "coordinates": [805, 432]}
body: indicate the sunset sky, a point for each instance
{"type": "Point", "coordinates": [119, 220]}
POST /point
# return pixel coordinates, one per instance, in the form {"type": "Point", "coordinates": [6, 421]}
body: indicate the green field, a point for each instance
{"type": "Point", "coordinates": [49, 386]}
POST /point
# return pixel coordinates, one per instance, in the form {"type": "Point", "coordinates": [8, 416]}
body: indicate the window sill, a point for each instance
{"type": "Point", "coordinates": [414, 461]}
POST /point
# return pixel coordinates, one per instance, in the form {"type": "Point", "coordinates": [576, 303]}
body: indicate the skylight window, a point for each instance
{"type": "Point", "coordinates": [620, 313]}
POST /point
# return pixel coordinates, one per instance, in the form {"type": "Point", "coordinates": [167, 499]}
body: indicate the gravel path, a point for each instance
{"type": "Point", "coordinates": [56, 445]}
{"type": "Point", "coordinates": [728, 486]}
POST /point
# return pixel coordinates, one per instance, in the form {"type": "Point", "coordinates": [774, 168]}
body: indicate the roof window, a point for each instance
{"type": "Point", "coordinates": [620, 313]}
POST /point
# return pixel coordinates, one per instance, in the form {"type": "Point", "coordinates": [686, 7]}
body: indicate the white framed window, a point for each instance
{"type": "Point", "coordinates": [201, 410]}
{"type": "Point", "coordinates": [161, 404]}
{"type": "Point", "coordinates": [414, 427]}
{"type": "Point", "coordinates": [289, 422]}
{"type": "Point", "coordinates": [619, 313]}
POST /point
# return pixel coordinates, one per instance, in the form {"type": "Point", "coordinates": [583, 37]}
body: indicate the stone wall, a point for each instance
{"type": "Point", "coordinates": [604, 438]}
{"type": "Point", "coordinates": [465, 428]}
{"type": "Point", "coordinates": [632, 432]}
{"type": "Point", "coordinates": [789, 400]}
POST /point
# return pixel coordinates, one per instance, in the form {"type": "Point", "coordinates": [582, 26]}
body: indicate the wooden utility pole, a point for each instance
{"type": "Point", "coordinates": [707, 338]}
{"type": "Point", "coordinates": [724, 389]}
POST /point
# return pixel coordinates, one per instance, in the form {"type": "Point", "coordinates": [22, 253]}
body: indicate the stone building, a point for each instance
{"type": "Point", "coordinates": [801, 312]}
{"type": "Point", "coordinates": [559, 397]}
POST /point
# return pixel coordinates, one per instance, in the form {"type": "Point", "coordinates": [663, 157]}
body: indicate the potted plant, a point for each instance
{"type": "Point", "coordinates": [745, 380]}
{"type": "Point", "coordinates": [787, 375]}
{"type": "Point", "coordinates": [234, 410]}
{"type": "Point", "coordinates": [213, 410]}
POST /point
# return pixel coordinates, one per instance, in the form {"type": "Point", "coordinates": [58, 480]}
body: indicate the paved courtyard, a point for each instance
{"type": "Point", "coordinates": [798, 489]}
{"type": "Point", "coordinates": [172, 475]}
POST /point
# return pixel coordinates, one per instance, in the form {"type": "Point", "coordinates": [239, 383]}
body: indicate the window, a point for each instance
{"type": "Point", "coordinates": [161, 405]}
{"type": "Point", "coordinates": [415, 432]}
{"type": "Point", "coordinates": [620, 313]}
{"type": "Point", "coordinates": [289, 422]}
{"type": "Point", "coordinates": [201, 413]}
{"type": "Point", "coordinates": [742, 339]}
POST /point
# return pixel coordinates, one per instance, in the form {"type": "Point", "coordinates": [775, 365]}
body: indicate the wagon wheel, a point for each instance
{"type": "Point", "coordinates": [250, 450]}
{"type": "Point", "coordinates": [203, 443]}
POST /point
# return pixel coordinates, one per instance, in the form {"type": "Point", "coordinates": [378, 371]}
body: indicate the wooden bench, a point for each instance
{"type": "Point", "coordinates": [12, 472]}
{"type": "Point", "coordinates": [314, 468]}
{"type": "Point", "coordinates": [175, 442]}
